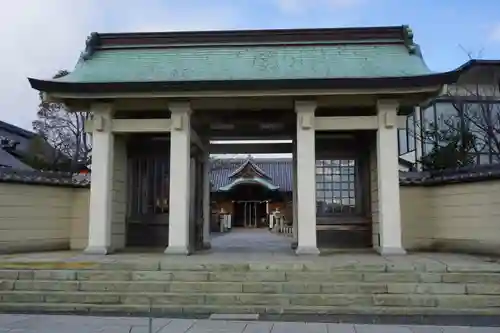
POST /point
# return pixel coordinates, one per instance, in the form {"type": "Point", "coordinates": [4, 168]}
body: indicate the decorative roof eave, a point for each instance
{"type": "Point", "coordinates": [422, 81]}
{"type": "Point", "coordinates": [249, 181]}
{"type": "Point", "coordinates": [254, 166]}
{"type": "Point", "coordinates": [91, 44]}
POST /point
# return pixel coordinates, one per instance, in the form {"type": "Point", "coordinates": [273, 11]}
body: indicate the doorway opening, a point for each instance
{"type": "Point", "coordinates": [250, 214]}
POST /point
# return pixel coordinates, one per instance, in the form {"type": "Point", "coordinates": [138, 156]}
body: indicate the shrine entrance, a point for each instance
{"type": "Point", "coordinates": [250, 214]}
{"type": "Point", "coordinates": [196, 87]}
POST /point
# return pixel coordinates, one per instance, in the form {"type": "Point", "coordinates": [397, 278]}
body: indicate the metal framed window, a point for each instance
{"type": "Point", "coordinates": [335, 186]}
{"type": "Point", "coordinates": [478, 117]}
{"type": "Point", "coordinates": [407, 139]}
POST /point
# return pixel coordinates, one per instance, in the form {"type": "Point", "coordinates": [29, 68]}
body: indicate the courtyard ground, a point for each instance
{"type": "Point", "coordinates": [82, 324]}
{"type": "Point", "coordinates": [252, 241]}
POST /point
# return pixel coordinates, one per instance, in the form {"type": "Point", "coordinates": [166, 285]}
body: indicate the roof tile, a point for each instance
{"type": "Point", "coordinates": [248, 63]}
{"type": "Point", "coordinates": [278, 170]}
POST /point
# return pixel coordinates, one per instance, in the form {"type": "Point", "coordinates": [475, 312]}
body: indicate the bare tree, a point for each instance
{"type": "Point", "coordinates": [64, 131]}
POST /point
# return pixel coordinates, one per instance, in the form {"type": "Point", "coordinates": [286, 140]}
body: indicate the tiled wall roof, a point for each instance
{"type": "Point", "coordinates": [280, 171]}
{"type": "Point", "coordinates": [450, 176]}
{"type": "Point", "coordinates": [43, 177]}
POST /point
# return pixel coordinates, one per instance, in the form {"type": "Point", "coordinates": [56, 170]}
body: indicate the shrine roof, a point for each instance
{"type": "Point", "coordinates": [276, 171]}
{"type": "Point", "coordinates": [250, 59]}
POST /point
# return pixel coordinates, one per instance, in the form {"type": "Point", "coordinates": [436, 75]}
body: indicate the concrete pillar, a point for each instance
{"type": "Point", "coordinates": [306, 178]}
{"type": "Point", "coordinates": [389, 209]}
{"type": "Point", "coordinates": [207, 212]}
{"type": "Point", "coordinates": [180, 171]}
{"type": "Point", "coordinates": [101, 189]}
{"type": "Point", "coordinates": [294, 196]}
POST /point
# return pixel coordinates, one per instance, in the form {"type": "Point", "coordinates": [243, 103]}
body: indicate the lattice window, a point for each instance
{"type": "Point", "coordinates": [335, 186]}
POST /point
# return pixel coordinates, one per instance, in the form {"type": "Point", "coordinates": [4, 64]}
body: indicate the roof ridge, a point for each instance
{"type": "Point", "coordinates": [16, 129]}
{"type": "Point", "coordinates": [401, 34]}
{"type": "Point", "coordinates": [244, 164]}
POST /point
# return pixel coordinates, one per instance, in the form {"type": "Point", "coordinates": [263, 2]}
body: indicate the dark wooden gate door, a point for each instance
{"type": "Point", "coordinates": [148, 192]}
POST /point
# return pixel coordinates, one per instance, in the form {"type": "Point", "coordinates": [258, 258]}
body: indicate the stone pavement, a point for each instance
{"type": "Point", "coordinates": [250, 241]}
{"type": "Point", "coordinates": [16, 323]}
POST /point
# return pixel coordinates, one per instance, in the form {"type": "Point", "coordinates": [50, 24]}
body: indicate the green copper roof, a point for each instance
{"type": "Point", "coordinates": [269, 62]}
{"type": "Point", "coordinates": [249, 181]}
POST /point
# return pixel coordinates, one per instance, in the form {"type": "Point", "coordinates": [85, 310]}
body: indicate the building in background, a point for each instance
{"type": "Point", "coordinates": [19, 148]}
{"type": "Point", "coordinates": [24, 150]}
{"type": "Point", "coordinates": [466, 112]}
{"type": "Point", "coordinates": [250, 190]}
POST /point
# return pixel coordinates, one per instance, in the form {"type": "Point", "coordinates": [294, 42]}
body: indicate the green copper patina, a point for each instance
{"type": "Point", "coordinates": [288, 59]}
{"type": "Point", "coordinates": [249, 181]}
{"type": "Point", "coordinates": [248, 63]}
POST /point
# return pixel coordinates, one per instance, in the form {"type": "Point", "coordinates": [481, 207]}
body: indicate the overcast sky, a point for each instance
{"type": "Point", "coordinates": [39, 37]}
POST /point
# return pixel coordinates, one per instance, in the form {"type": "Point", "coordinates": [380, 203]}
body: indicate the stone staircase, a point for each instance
{"type": "Point", "coordinates": [293, 287]}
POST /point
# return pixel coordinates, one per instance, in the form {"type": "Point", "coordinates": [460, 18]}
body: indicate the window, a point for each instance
{"type": "Point", "coordinates": [410, 132]}
{"type": "Point", "coordinates": [445, 119]}
{"type": "Point", "coordinates": [478, 121]}
{"type": "Point", "coordinates": [403, 141]}
{"type": "Point", "coordinates": [406, 136]}
{"type": "Point", "coordinates": [428, 121]}
{"type": "Point", "coordinates": [335, 186]}
{"type": "Point", "coordinates": [448, 122]}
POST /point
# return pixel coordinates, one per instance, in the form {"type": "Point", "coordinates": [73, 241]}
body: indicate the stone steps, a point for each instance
{"type": "Point", "coordinates": [253, 287]}
{"type": "Point", "coordinates": [249, 288]}
{"type": "Point", "coordinates": [190, 310]}
{"type": "Point", "coordinates": [252, 299]}
{"type": "Point", "coordinates": [253, 276]}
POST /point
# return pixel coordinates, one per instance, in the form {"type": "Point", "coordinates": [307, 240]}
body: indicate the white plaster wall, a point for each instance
{"type": "Point", "coordinates": [40, 217]}
{"type": "Point", "coordinates": [456, 217]}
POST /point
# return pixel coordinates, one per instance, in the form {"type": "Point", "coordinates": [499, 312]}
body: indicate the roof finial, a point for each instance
{"type": "Point", "coordinates": [408, 39]}
{"type": "Point", "coordinates": [90, 45]}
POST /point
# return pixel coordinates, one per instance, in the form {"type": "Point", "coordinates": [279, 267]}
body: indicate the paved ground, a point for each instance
{"type": "Point", "coordinates": [83, 324]}
{"type": "Point", "coordinates": [258, 247]}
{"type": "Point", "coordinates": [252, 241]}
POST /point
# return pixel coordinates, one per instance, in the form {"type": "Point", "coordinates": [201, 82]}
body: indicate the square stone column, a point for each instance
{"type": "Point", "coordinates": [389, 208]}
{"type": "Point", "coordinates": [180, 172]}
{"type": "Point", "coordinates": [306, 178]}
{"type": "Point", "coordinates": [207, 212]}
{"type": "Point", "coordinates": [101, 188]}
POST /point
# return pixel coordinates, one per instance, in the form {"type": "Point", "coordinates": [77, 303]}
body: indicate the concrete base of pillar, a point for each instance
{"type": "Point", "coordinates": [207, 245]}
{"type": "Point", "coordinates": [97, 250]}
{"type": "Point", "coordinates": [307, 250]}
{"type": "Point", "coordinates": [391, 251]}
{"type": "Point", "coordinates": [177, 250]}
